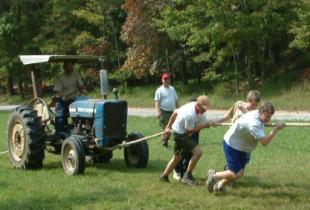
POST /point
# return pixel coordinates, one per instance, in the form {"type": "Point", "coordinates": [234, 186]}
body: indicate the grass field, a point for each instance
{"type": "Point", "coordinates": [277, 178]}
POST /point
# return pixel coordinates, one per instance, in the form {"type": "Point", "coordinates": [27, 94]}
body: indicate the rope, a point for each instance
{"type": "Point", "coordinates": [289, 124]}
{"type": "Point", "coordinates": [126, 144]}
{"type": "Point", "coordinates": [1, 153]}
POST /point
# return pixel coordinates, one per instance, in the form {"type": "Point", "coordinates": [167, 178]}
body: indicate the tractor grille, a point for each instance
{"type": "Point", "coordinates": [115, 119]}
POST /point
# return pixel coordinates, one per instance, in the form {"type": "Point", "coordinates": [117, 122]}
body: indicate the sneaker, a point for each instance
{"type": "Point", "coordinates": [211, 180]}
{"type": "Point", "coordinates": [188, 179]}
{"type": "Point", "coordinates": [163, 178]}
{"type": "Point", "coordinates": [177, 175]}
{"type": "Point", "coordinates": [165, 142]}
{"type": "Point", "coordinates": [219, 190]}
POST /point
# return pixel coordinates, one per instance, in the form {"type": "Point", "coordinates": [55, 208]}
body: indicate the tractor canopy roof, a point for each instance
{"type": "Point", "coordinates": [34, 59]}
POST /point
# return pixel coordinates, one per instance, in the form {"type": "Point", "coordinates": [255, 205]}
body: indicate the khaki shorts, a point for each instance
{"type": "Point", "coordinates": [165, 116]}
{"type": "Point", "coordinates": [183, 144]}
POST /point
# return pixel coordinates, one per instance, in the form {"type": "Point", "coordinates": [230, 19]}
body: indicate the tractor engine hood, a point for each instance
{"type": "Point", "coordinates": [83, 108]}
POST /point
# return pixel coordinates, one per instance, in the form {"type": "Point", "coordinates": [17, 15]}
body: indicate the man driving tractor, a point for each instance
{"type": "Point", "coordinates": [68, 86]}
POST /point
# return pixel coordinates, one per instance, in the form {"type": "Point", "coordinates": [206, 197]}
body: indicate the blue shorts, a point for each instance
{"type": "Point", "coordinates": [236, 160]}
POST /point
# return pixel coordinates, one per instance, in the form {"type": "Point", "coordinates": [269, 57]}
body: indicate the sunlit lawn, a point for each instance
{"type": "Point", "coordinates": [277, 178]}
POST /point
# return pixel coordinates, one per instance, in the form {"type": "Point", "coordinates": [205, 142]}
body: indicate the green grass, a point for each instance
{"type": "Point", "coordinates": [292, 96]}
{"type": "Point", "coordinates": [277, 178]}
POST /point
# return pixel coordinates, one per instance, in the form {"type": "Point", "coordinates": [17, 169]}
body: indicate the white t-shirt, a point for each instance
{"type": "Point", "coordinates": [245, 133]}
{"type": "Point", "coordinates": [187, 118]}
{"type": "Point", "coordinates": [166, 96]}
{"type": "Point", "coordinates": [69, 84]}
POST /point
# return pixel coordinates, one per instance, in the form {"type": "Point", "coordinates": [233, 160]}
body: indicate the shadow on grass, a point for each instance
{"type": "Point", "coordinates": [67, 201]}
{"type": "Point", "coordinates": [52, 165]}
{"type": "Point", "coordinates": [153, 166]}
{"type": "Point", "coordinates": [3, 184]}
{"type": "Point", "coordinates": [288, 190]}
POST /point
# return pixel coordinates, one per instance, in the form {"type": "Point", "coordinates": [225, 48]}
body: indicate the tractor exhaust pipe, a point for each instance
{"type": "Point", "coordinates": [104, 83]}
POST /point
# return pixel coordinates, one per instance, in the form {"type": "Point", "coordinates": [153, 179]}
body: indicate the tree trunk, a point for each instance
{"type": "Point", "coordinates": [263, 75]}
{"type": "Point", "coordinates": [10, 86]}
{"type": "Point", "coordinates": [248, 72]}
{"type": "Point", "coordinates": [197, 74]}
{"type": "Point", "coordinates": [183, 69]}
{"type": "Point", "coordinates": [20, 89]}
{"type": "Point", "coordinates": [236, 73]}
{"type": "Point", "coordinates": [167, 60]}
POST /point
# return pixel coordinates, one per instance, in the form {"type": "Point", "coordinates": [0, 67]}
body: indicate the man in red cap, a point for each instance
{"type": "Point", "coordinates": [166, 100]}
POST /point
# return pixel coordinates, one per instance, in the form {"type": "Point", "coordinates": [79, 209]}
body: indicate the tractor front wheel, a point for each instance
{"type": "Point", "coordinates": [73, 156]}
{"type": "Point", "coordinates": [136, 155]}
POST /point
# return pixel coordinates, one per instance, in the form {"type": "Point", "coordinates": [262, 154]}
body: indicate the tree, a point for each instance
{"type": "Point", "coordinates": [101, 32]}
{"type": "Point", "coordinates": [147, 47]}
{"type": "Point", "coordinates": [60, 27]}
{"type": "Point", "coordinates": [301, 28]}
{"type": "Point", "coordinates": [19, 24]}
{"type": "Point", "coordinates": [237, 39]}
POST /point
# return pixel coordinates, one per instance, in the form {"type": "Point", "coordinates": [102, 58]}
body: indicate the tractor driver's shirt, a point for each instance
{"type": "Point", "coordinates": [245, 133]}
{"type": "Point", "coordinates": [69, 84]}
{"type": "Point", "coordinates": [187, 118]}
{"type": "Point", "coordinates": [166, 96]}
{"type": "Point", "coordinates": [235, 112]}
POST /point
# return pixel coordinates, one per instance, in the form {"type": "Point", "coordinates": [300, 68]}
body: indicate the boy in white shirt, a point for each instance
{"type": "Point", "coordinates": [240, 140]}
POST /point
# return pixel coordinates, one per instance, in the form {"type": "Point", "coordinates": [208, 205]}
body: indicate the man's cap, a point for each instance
{"type": "Point", "coordinates": [203, 101]}
{"type": "Point", "coordinates": [165, 76]}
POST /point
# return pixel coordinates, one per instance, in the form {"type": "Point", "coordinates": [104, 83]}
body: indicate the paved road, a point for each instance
{"type": "Point", "coordinates": [212, 114]}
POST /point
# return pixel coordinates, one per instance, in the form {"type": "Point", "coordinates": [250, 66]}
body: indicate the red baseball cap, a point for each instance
{"type": "Point", "coordinates": [165, 76]}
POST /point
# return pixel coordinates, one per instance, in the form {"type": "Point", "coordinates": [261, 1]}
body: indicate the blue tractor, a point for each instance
{"type": "Point", "coordinates": [98, 126]}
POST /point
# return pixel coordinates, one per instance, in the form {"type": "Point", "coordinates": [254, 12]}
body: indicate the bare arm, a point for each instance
{"type": "Point", "coordinates": [228, 115]}
{"type": "Point", "coordinates": [267, 139]}
{"type": "Point", "coordinates": [199, 127]}
{"type": "Point", "coordinates": [222, 119]}
{"type": "Point", "coordinates": [157, 108]}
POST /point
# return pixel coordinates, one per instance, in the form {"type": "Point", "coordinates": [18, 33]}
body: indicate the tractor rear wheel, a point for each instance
{"type": "Point", "coordinates": [25, 138]}
{"type": "Point", "coordinates": [136, 155]}
{"type": "Point", "coordinates": [73, 156]}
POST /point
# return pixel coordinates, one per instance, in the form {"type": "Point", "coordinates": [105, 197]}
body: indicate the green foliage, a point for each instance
{"type": "Point", "coordinates": [223, 89]}
{"type": "Point", "coordinates": [100, 34]}
{"type": "Point", "coordinates": [219, 33]}
{"type": "Point", "coordinates": [301, 28]}
{"type": "Point", "coordinates": [60, 28]}
{"type": "Point", "coordinates": [19, 24]}
{"type": "Point", "coordinates": [239, 41]}
{"type": "Point", "coordinates": [89, 16]}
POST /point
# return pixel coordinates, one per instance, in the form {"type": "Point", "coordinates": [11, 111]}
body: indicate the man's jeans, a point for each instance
{"type": "Point", "coordinates": [61, 114]}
